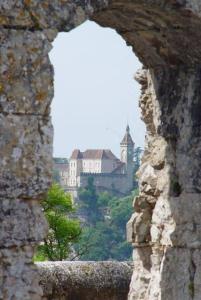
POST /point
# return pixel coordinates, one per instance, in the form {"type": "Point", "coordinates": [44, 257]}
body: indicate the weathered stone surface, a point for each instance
{"type": "Point", "coordinates": [63, 15]}
{"type": "Point", "coordinates": [158, 30]}
{"type": "Point", "coordinates": [169, 185]}
{"type": "Point", "coordinates": [22, 223]}
{"type": "Point", "coordinates": [169, 282]}
{"type": "Point", "coordinates": [85, 280]}
{"type": "Point", "coordinates": [26, 75]}
{"type": "Point", "coordinates": [165, 229]}
{"type": "Point", "coordinates": [141, 275]}
{"type": "Point", "coordinates": [26, 90]}
{"type": "Point", "coordinates": [26, 151]}
{"type": "Point", "coordinates": [18, 278]}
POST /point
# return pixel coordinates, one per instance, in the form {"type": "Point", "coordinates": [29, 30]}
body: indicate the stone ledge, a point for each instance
{"type": "Point", "coordinates": [85, 280]}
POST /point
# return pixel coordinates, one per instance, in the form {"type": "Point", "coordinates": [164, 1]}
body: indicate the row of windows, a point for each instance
{"type": "Point", "coordinates": [89, 164]}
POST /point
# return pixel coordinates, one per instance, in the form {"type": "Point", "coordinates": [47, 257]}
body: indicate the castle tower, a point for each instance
{"type": "Point", "coordinates": [127, 156]}
{"type": "Point", "coordinates": [127, 147]}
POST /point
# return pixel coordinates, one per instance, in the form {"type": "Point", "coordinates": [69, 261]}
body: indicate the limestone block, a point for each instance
{"type": "Point", "coordinates": [162, 224]}
{"type": "Point", "coordinates": [138, 227]}
{"type": "Point", "coordinates": [26, 75]}
{"type": "Point", "coordinates": [147, 175]}
{"type": "Point", "coordinates": [141, 276]}
{"type": "Point", "coordinates": [153, 290]}
{"type": "Point", "coordinates": [26, 152]}
{"type": "Point", "coordinates": [151, 181]}
{"type": "Point", "coordinates": [176, 275]}
{"type": "Point", "coordinates": [18, 278]}
{"type": "Point", "coordinates": [177, 221]}
{"type": "Point", "coordinates": [58, 14]}
{"type": "Point", "coordinates": [85, 280]}
{"type": "Point", "coordinates": [158, 153]}
{"type": "Point", "coordinates": [22, 223]}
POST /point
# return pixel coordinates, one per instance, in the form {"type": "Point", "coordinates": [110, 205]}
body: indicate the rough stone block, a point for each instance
{"type": "Point", "coordinates": [18, 276]}
{"type": "Point", "coordinates": [58, 14]}
{"type": "Point", "coordinates": [176, 275]}
{"type": "Point", "coordinates": [26, 75]}
{"type": "Point", "coordinates": [22, 223]}
{"type": "Point", "coordinates": [176, 221]}
{"type": "Point", "coordinates": [141, 276]}
{"type": "Point", "coordinates": [26, 152]}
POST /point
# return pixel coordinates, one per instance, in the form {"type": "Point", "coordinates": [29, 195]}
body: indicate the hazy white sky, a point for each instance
{"type": "Point", "coordinates": [95, 93]}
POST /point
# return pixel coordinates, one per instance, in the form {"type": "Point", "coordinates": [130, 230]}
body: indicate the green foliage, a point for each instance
{"type": "Point", "coordinates": [137, 158]}
{"type": "Point", "coordinates": [105, 236]}
{"type": "Point", "coordinates": [89, 202]}
{"type": "Point", "coordinates": [64, 230]}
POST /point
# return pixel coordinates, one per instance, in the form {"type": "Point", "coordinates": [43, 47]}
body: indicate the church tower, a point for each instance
{"type": "Point", "coordinates": [127, 148]}
{"type": "Point", "coordinates": [127, 156]}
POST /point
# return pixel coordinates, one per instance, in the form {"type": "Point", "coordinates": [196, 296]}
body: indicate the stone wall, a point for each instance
{"type": "Point", "coordinates": [27, 29]}
{"type": "Point", "coordinates": [118, 183]}
{"type": "Point", "coordinates": [85, 280]}
{"type": "Point", "coordinates": [165, 228]}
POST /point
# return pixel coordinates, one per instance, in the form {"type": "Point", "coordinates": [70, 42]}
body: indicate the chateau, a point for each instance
{"type": "Point", "coordinates": [109, 172]}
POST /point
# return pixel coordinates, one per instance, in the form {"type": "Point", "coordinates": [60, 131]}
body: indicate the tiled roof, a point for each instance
{"type": "Point", "coordinates": [93, 154]}
{"type": "Point", "coordinates": [76, 154]}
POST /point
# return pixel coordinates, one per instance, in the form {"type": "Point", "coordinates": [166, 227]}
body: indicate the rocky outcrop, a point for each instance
{"type": "Point", "coordinates": [165, 227]}
{"type": "Point", "coordinates": [85, 280]}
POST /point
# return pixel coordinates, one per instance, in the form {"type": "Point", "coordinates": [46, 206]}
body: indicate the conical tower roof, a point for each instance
{"type": "Point", "coordinates": [127, 139]}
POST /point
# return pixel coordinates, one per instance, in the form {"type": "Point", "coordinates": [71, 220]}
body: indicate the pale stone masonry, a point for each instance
{"type": "Point", "coordinates": [165, 228]}
{"type": "Point", "coordinates": [109, 172]}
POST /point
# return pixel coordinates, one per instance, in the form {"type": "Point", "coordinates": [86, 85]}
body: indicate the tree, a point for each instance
{"type": "Point", "coordinates": [64, 230]}
{"type": "Point", "coordinates": [89, 205]}
{"type": "Point", "coordinates": [106, 238]}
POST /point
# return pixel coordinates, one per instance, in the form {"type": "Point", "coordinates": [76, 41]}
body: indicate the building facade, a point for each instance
{"type": "Point", "coordinates": [109, 172]}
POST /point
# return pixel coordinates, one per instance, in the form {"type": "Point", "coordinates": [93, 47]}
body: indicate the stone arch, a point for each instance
{"type": "Point", "coordinates": [165, 35]}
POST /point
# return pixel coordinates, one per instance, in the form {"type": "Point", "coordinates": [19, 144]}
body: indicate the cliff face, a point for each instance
{"type": "Point", "coordinates": [165, 228]}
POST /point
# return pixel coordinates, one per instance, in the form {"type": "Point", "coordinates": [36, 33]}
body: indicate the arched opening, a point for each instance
{"type": "Point", "coordinates": [96, 98]}
{"type": "Point", "coordinates": [165, 226]}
